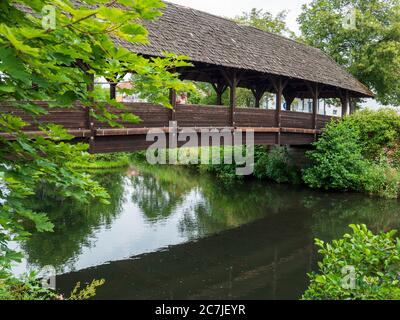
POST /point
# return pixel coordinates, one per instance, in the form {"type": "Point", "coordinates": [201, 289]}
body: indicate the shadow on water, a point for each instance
{"type": "Point", "coordinates": [171, 233]}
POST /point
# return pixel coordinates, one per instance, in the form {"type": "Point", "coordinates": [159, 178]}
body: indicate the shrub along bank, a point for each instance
{"type": "Point", "coordinates": [360, 266]}
{"type": "Point", "coordinates": [359, 153]}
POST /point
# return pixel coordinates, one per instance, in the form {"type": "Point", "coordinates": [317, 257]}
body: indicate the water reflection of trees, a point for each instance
{"type": "Point", "coordinates": [208, 206]}
{"type": "Point", "coordinates": [74, 224]}
{"type": "Point", "coordinates": [218, 207]}
{"type": "Point", "coordinates": [156, 200]}
{"type": "Point", "coordinates": [332, 213]}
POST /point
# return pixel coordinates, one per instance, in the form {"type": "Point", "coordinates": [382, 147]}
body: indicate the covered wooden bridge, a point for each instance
{"type": "Point", "coordinates": [228, 56]}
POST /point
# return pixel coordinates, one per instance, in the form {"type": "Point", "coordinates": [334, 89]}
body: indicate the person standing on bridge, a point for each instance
{"type": "Point", "coordinates": [182, 98]}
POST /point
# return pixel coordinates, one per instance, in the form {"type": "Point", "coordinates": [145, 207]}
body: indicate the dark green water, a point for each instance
{"type": "Point", "coordinates": [171, 233]}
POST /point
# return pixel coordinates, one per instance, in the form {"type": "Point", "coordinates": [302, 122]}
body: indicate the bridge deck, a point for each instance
{"type": "Point", "coordinates": [296, 128]}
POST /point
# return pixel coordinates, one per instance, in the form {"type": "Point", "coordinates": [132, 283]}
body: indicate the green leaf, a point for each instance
{"type": "Point", "coordinates": [129, 117]}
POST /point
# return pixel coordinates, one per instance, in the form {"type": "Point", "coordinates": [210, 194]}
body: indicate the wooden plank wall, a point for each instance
{"type": "Point", "coordinates": [297, 120]}
{"type": "Point", "coordinates": [74, 118]}
{"type": "Point", "coordinates": [251, 117]}
{"type": "Point", "coordinates": [152, 116]}
{"type": "Point", "coordinates": [202, 116]}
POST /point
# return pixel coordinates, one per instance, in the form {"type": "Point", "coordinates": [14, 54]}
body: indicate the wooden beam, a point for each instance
{"type": "Point", "coordinates": [289, 98]}
{"type": "Point", "coordinates": [352, 105]}
{"type": "Point", "coordinates": [233, 78]}
{"type": "Point", "coordinates": [344, 99]}
{"type": "Point", "coordinates": [220, 89]}
{"type": "Point", "coordinates": [279, 85]}
{"type": "Point", "coordinates": [258, 92]}
{"type": "Point", "coordinates": [315, 89]}
{"type": "Point", "coordinates": [232, 102]}
{"type": "Point", "coordinates": [90, 85]}
{"type": "Point", "coordinates": [90, 123]}
{"type": "Point", "coordinates": [113, 85]}
{"type": "Point", "coordinates": [315, 106]}
{"type": "Point", "coordinates": [172, 101]}
{"type": "Point", "coordinates": [113, 90]}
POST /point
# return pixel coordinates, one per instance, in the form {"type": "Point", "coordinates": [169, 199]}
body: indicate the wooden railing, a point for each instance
{"type": "Point", "coordinates": [251, 117]}
{"type": "Point", "coordinates": [154, 116]}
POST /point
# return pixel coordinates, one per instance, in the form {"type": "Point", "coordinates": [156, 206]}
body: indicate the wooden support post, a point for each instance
{"type": "Point", "coordinates": [90, 86]}
{"type": "Point", "coordinates": [258, 92]}
{"type": "Point", "coordinates": [113, 84]}
{"type": "Point", "coordinates": [344, 98]}
{"type": "Point", "coordinates": [289, 98]}
{"type": "Point", "coordinates": [258, 102]}
{"type": "Point", "coordinates": [233, 80]}
{"type": "Point", "coordinates": [315, 90]}
{"type": "Point", "coordinates": [278, 104]}
{"type": "Point", "coordinates": [278, 112]}
{"type": "Point", "coordinates": [90, 123]}
{"type": "Point", "coordinates": [232, 102]}
{"type": "Point", "coordinates": [315, 106]}
{"type": "Point", "coordinates": [219, 99]}
{"type": "Point", "coordinates": [279, 86]}
{"type": "Point", "coordinates": [220, 89]}
{"type": "Point", "coordinates": [352, 105]}
{"type": "Point", "coordinates": [172, 101]}
{"type": "Point", "coordinates": [113, 90]}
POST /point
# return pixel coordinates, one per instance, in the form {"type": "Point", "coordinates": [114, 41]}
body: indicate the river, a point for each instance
{"type": "Point", "coordinates": [172, 233]}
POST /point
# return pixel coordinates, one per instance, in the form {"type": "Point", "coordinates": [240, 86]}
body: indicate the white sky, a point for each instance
{"type": "Point", "coordinates": [231, 8]}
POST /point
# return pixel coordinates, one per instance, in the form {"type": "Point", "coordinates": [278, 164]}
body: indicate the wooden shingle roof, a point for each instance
{"type": "Point", "coordinates": [213, 40]}
{"type": "Point", "coordinates": [210, 39]}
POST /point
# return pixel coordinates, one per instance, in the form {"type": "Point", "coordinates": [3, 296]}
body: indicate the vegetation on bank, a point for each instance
{"type": "Point", "coordinates": [272, 163]}
{"type": "Point", "coordinates": [29, 287]}
{"type": "Point", "coordinates": [103, 162]}
{"type": "Point", "coordinates": [360, 153]}
{"type": "Point", "coordinates": [275, 164]}
{"type": "Point", "coordinates": [360, 266]}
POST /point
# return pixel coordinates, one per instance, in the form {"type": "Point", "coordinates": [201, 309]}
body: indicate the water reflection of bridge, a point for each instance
{"type": "Point", "coordinates": [268, 259]}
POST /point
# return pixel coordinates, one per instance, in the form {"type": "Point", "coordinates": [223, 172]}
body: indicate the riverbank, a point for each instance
{"type": "Point", "coordinates": [103, 162]}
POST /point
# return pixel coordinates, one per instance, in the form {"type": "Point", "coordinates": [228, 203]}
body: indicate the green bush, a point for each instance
{"type": "Point", "coordinates": [337, 161]}
{"type": "Point", "coordinates": [24, 288]}
{"type": "Point", "coordinates": [359, 153]}
{"type": "Point", "coordinates": [361, 266]}
{"type": "Point", "coordinates": [382, 180]}
{"type": "Point", "coordinates": [379, 133]}
{"type": "Point", "coordinates": [103, 161]}
{"type": "Point", "coordinates": [29, 287]}
{"type": "Point", "coordinates": [276, 165]}
{"type": "Point", "coordinates": [225, 172]}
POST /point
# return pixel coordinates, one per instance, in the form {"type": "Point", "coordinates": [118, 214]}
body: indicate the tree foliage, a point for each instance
{"type": "Point", "coordinates": [266, 21]}
{"type": "Point", "coordinates": [370, 51]}
{"type": "Point", "coordinates": [57, 63]}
